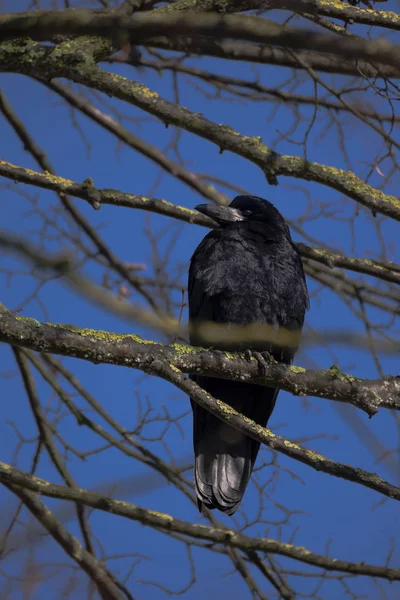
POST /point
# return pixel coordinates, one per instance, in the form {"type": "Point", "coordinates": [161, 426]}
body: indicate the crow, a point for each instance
{"type": "Point", "coordinates": [244, 272]}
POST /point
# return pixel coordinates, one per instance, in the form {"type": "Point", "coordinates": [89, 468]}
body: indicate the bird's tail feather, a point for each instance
{"type": "Point", "coordinates": [224, 457]}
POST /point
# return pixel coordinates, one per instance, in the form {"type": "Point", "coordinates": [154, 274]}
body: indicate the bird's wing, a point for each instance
{"type": "Point", "coordinates": [197, 306]}
{"type": "Point", "coordinates": [201, 307]}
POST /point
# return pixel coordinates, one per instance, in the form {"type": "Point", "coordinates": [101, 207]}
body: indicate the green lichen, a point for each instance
{"type": "Point", "coordinates": [158, 515]}
{"type": "Point", "coordinates": [334, 3]}
{"type": "Point", "coordinates": [182, 349]}
{"type": "Point", "coordinates": [176, 6]}
{"type": "Point", "coordinates": [230, 355]}
{"type": "Point", "coordinates": [314, 456]}
{"type": "Point", "coordinates": [290, 445]}
{"type": "Point", "coordinates": [223, 128]}
{"type": "Point", "coordinates": [39, 480]}
{"type": "Point", "coordinates": [319, 251]}
{"type": "Point", "coordinates": [336, 372]}
{"type": "Point", "coordinates": [266, 434]}
{"type": "Point", "coordinates": [343, 181]}
{"type": "Point", "coordinates": [140, 88]}
{"type": "Point", "coordinates": [175, 207]}
{"type": "Point", "coordinates": [295, 369]}
{"type": "Point", "coordinates": [88, 183]}
{"type": "Point", "coordinates": [28, 321]}
{"type": "Point", "coordinates": [228, 410]}
{"type": "Point", "coordinates": [338, 5]}
{"type": "Point", "coordinates": [104, 336]}
{"type": "Point", "coordinates": [53, 179]}
{"type": "Point", "coordinates": [49, 177]}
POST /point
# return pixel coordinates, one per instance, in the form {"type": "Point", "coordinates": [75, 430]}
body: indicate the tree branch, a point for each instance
{"type": "Point", "coordinates": [47, 440]}
{"type": "Point", "coordinates": [44, 25]}
{"type": "Point", "coordinates": [257, 92]}
{"type": "Point", "coordinates": [345, 12]}
{"type": "Point", "coordinates": [164, 522]}
{"type": "Point", "coordinates": [125, 135]}
{"type": "Point", "coordinates": [132, 351]}
{"type": "Point", "coordinates": [106, 585]}
{"type": "Point", "coordinates": [384, 270]}
{"type": "Point", "coordinates": [270, 55]}
{"type": "Point", "coordinates": [251, 148]}
{"type": "Point", "coordinates": [95, 197]}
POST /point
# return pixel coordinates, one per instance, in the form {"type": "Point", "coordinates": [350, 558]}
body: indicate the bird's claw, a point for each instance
{"type": "Point", "coordinates": [264, 359]}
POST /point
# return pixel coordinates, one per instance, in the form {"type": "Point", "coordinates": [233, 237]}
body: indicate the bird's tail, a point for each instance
{"type": "Point", "coordinates": [224, 457]}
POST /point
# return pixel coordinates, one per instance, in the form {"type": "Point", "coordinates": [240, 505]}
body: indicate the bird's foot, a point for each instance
{"type": "Point", "coordinates": [264, 360]}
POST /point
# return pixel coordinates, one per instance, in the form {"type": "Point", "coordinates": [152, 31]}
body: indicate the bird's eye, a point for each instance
{"type": "Point", "coordinates": [247, 213]}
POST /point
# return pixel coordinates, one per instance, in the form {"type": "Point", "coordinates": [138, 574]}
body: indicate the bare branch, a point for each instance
{"type": "Point", "coordinates": [107, 587]}
{"type": "Point", "coordinates": [385, 270]}
{"type": "Point", "coordinates": [164, 522]}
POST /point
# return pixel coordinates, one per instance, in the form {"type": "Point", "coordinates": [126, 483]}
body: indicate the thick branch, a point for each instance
{"type": "Point", "coordinates": [44, 25]}
{"type": "Point", "coordinates": [270, 55]}
{"type": "Point", "coordinates": [133, 351]}
{"type": "Point", "coordinates": [168, 362]}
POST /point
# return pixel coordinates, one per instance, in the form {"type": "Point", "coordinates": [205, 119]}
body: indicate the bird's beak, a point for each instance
{"type": "Point", "coordinates": [223, 215]}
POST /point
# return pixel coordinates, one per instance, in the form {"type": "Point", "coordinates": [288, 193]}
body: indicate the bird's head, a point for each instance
{"type": "Point", "coordinates": [243, 209]}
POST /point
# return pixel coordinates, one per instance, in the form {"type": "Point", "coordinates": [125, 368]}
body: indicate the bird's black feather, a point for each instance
{"type": "Point", "coordinates": [247, 271]}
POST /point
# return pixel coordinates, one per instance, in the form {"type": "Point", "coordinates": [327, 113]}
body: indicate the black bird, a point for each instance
{"type": "Point", "coordinates": [246, 271]}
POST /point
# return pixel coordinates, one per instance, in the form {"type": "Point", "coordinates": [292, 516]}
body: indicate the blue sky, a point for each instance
{"type": "Point", "coordinates": [331, 509]}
